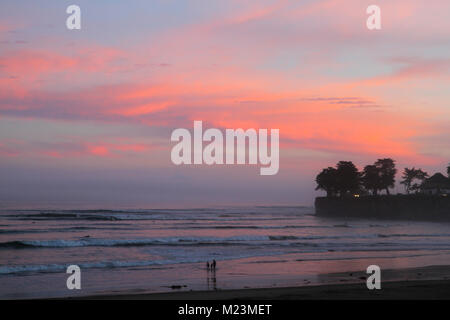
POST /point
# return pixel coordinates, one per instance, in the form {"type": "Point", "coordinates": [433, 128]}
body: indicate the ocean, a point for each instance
{"type": "Point", "coordinates": [159, 250]}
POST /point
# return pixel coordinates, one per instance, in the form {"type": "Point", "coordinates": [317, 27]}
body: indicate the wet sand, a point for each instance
{"type": "Point", "coordinates": [414, 283]}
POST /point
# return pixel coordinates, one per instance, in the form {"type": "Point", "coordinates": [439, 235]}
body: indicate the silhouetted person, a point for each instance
{"type": "Point", "coordinates": [213, 265]}
{"type": "Point", "coordinates": [207, 265]}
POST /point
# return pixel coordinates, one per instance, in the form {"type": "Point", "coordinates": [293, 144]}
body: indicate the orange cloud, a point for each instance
{"type": "Point", "coordinates": [117, 148]}
{"type": "Point", "coordinates": [98, 150]}
{"type": "Point", "coordinates": [30, 65]}
{"type": "Point", "coordinates": [335, 124]}
{"type": "Point", "coordinates": [111, 149]}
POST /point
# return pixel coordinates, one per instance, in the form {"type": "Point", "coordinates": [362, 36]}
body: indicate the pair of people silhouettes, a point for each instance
{"type": "Point", "coordinates": [211, 266]}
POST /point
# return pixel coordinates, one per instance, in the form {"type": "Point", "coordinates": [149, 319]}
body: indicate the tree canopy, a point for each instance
{"type": "Point", "coordinates": [327, 180]}
{"type": "Point", "coordinates": [345, 179]}
{"type": "Point", "coordinates": [348, 178]}
{"type": "Point", "coordinates": [387, 172]}
{"type": "Point", "coordinates": [342, 180]}
{"type": "Point", "coordinates": [371, 179]}
{"type": "Point", "coordinates": [410, 175]}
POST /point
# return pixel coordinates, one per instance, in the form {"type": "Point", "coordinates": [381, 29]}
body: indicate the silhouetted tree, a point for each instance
{"type": "Point", "coordinates": [327, 180]}
{"type": "Point", "coordinates": [348, 178]}
{"type": "Point", "coordinates": [387, 173]}
{"type": "Point", "coordinates": [371, 179]}
{"type": "Point", "coordinates": [448, 170]}
{"type": "Point", "coordinates": [409, 175]}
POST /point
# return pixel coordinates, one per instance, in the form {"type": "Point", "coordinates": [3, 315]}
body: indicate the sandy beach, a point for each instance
{"type": "Point", "coordinates": [428, 289]}
{"type": "Point", "coordinates": [431, 283]}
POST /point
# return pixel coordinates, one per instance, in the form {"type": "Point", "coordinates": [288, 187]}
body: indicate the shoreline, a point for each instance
{"type": "Point", "coordinates": [431, 283]}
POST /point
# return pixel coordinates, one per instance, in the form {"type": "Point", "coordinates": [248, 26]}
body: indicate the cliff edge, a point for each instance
{"type": "Point", "coordinates": [409, 207]}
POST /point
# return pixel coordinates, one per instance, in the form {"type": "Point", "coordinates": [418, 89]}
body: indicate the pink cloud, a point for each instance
{"type": "Point", "coordinates": [32, 65]}
{"type": "Point", "coordinates": [318, 123]}
{"type": "Point", "coordinates": [112, 149]}
{"type": "Point", "coordinates": [410, 69]}
{"type": "Point", "coordinates": [116, 149]}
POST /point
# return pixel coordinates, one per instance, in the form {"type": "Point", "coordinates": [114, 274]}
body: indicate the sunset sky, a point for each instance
{"type": "Point", "coordinates": [86, 115]}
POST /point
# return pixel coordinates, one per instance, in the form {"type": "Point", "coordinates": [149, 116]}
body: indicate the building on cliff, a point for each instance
{"type": "Point", "coordinates": [437, 184]}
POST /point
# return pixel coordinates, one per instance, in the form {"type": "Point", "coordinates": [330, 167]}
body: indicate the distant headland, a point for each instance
{"type": "Point", "coordinates": [351, 193]}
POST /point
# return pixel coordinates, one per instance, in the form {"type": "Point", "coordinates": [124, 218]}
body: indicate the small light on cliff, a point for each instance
{"type": "Point", "coordinates": [356, 195]}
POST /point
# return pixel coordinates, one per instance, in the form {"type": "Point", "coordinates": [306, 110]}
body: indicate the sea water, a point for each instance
{"type": "Point", "coordinates": [158, 250]}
